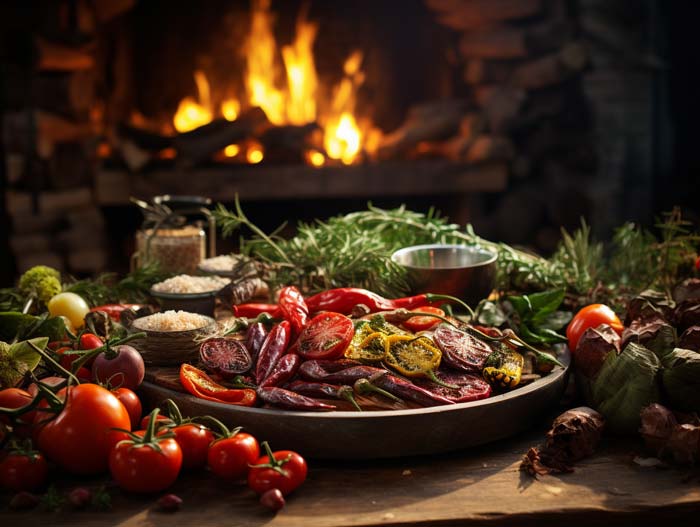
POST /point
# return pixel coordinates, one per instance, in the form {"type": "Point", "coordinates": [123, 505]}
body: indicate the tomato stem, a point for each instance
{"type": "Point", "coordinates": [431, 375]}
{"type": "Point", "coordinates": [274, 464]}
{"type": "Point", "coordinates": [345, 392]}
{"type": "Point", "coordinates": [57, 367]}
{"type": "Point", "coordinates": [224, 432]}
{"type": "Point", "coordinates": [432, 297]}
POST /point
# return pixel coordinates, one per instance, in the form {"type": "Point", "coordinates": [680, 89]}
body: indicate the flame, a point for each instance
{"type": "Point", "coordinates": [193, 113]}
{"type": "Point", "coordinates": [288, 93]}
{"type": "Point", "coordinates": [230, 109]}
{"type": "Point", "coordinates": [232, 150]}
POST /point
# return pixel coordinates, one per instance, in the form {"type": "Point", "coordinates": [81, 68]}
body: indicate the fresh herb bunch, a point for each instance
{"type": "Point", "coordinates": [106, 288]}
{"type": "Point", "coordinates": [355, 249]}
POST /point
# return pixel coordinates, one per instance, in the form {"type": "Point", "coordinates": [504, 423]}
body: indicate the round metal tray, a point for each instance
{"type": "Point", "coordinates": [383, 434]}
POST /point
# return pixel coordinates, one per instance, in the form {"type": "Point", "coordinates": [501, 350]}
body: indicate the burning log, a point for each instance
{"type": "Point", "coordinates": [471, 14]}
{"type": "Point", "coordinates": [287, 143]}
{"type": "Point", "coordinates": [551, 69]}
{"type": "Point", "coordinates": [426, 122]}
{"type": "Point", "coordinates": [489, 148]}
{"type": "Point", "coordinates": [203, 142]}
{"type": "Point", "coordinates": [456, 148]}
{"type": "Point", "coordinates": [478, 71]}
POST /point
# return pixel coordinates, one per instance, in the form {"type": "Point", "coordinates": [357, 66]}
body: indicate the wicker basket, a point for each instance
{"type": "Point", "coordinates": [170, 348]}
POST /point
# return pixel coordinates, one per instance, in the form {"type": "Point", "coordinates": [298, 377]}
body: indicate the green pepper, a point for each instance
{"type": "Point", "coordinates": [367, 344]}
{"type": "Point", "coordinates": [414, 357]}
{"type": "Point", "coordinates": [379, 323]}
{"type": "Point", "coordinates": [504, 367]}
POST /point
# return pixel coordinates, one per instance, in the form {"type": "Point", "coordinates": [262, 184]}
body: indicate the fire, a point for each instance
{"type": "Point", "coordinates": [193, 113]}
{"type": "Point", "coordinates": [289, 94]}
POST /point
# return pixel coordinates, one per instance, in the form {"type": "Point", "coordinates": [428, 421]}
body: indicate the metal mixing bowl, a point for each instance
{"type": "Point", "coordinates": [466, 272]}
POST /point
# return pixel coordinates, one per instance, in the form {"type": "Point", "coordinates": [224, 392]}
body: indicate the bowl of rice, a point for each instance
{"type": "Point", "coordinates": [172, 337]}
{"type": "Point", "coordinates": [222, 265]}
{"type": "Point", "coordinates": [195, 294]}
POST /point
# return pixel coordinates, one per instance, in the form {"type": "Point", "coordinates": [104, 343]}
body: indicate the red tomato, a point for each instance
{"type": "Point", "coordinates": [132, 403]}
{"type": "Point", "coordinates": [81, 436]}
{"type": "Point", "coordinates": [83, 374]}
{"type": "Point", "coordinates": [229, 457]}
{"type": "Point", "coordinates": [194, 441]}
{"type": "Point", "coordinates": [67, 360]}
{"type": "Point", "coordinates": [591, 316]}
{"type": "Point", "coordinates": [21, 471]}
{"type": "Point", "coordinates": [417, 324]}
{"type": "Point", "coordinates": [90, 341]}
{"type": "Point", "coordinates": [326, 336]}
{"type": "Point", "coordinates": [17, 398]}
{"type": "Point", "coordinates": [201, 385]}
{"type": "Point", "coordinates": [286, 472]}
{"type": "Point", "coordinates": [145, 466]}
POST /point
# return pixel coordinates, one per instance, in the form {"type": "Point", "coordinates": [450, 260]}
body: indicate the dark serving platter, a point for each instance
{"type": "Point", "coordinates": [388, 433]}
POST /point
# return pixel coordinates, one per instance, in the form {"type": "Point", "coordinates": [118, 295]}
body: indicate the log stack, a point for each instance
{"type": "Point", "coordinates": [51, 127]}
{"type": "Point", "coordinates": [522, 64]}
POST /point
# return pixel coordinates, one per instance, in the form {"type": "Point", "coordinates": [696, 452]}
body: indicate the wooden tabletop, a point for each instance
{"type": "Point", "coordinates": [481, 486]}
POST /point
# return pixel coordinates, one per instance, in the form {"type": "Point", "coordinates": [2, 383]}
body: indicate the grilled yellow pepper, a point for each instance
{"type": "Point", "coordinates": [414, 357]}
{"type": "Point", "coordinates": [367, 344]}
{"type": "Point", "coordinates": [503, 368]}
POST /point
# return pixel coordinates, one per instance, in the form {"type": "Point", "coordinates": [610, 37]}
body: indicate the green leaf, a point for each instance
{"type": "Point", "coordinates": [491, 314]}
{"type": "Point", "coordinates": [555, 321]}
{"type": "Point", "coordinates": [537, 306]}
{"type": "Point", "coordinates": [23, 352]}
{"type": "Point", "coordinates": [15, 325]}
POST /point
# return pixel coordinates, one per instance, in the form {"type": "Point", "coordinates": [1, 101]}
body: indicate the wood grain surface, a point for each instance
{"type": "Point", "coordinates": [480, 486]}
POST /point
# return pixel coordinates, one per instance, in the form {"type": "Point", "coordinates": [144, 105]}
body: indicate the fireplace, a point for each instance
{"type": "Point", "coordinates": [486, 108]}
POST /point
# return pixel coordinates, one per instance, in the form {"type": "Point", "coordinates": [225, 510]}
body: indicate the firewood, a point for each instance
{"type": "Point", "coordinates": [144, 139]}
{"type": "Point", "coordinates": [507, 42]}
{"type": "Point", "coordinates": [551, 69]}
{"type": "Point", "coordinates": [50, 202]}
{"type": "Point", "coordinates": [203, 142]}
{"type": "Point", "coordinates": [426, 122]}
{"type": "Point", "coordinates": [471, 14]}
{"type": "Point", "coordinates": [455, 148]}
{"type": "Point", "coordinates": [490, 148]}
{"type": "Point", "coordinates": [57, 57]}
{"type": "Point", "coordinates": [286, 143]}
{"type": "Point", "coordinates": [502, 108]}
{"type": "Point", "coordinates": [479, 71]}
{"type": "Point", "coordinates": [47, 129]}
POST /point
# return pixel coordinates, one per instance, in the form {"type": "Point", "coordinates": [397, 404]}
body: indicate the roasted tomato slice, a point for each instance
{"type": "Point", "coordinates": [326, 336]}
{"type": "Point", "coordinates": [424, 323]}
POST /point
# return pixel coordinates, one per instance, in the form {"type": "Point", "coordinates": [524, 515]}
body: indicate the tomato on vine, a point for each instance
{"type": "Point", "coordinates": [23, 469]}
{"type": "Point", "coordinates": [284, 470]}
{"type": "Point", "coordinates": [232, 452]}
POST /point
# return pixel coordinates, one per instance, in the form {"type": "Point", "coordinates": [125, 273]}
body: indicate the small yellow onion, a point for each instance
{"type": "Point", "coordinates": [71, 306]}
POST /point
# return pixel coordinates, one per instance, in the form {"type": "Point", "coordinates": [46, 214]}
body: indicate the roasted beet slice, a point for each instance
{"type": "Point", "coordinates": [228, 357]}
{"type": "Point", "coordinates": [471, 387]}
{"type": "Point", "coordinates": [461, 350]}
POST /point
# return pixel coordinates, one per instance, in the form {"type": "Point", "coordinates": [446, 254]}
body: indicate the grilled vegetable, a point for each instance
{"type": "Point", "coordinates": [367, 344]}
{"type": "Point", "coordinates": [504, 367]}
{"type": "Point", "coordinates": [414, 357]}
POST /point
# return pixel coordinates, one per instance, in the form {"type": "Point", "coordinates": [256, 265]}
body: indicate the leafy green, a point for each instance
{"type": "Point", "coordinates": [538, 318]}
{"type": "Point", "coordinates": [681, 379]}
{"type": "Point", "coordinates": [625, 384]}
{"type": "Point", "coordinates": [19, 326]}
{"type": "Point", "coordinates": [17, 359]}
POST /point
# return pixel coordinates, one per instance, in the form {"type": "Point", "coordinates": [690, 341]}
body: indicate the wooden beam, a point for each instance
{"type": "Point", "coordinates": [279, 182]}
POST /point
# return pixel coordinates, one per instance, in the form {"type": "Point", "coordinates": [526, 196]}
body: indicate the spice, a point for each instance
{"type": "Point", "coordinates": [294, 308]}
{"type": "Point", "coordinates": [290, 400]}
{"type": "Point", "coordinates": [172, 321]}
{"type": "Point", "coordinates": [272, 349]}
{"type": "Point", "coordinates": [186, 284]}
{"type": "Point", "coordinates": [218, 264]}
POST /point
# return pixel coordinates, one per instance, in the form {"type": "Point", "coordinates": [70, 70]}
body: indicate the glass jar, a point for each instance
{"type": "Point", "coordinates": [176, 250]}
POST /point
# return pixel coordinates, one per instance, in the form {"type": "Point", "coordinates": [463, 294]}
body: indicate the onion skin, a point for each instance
{"type": "Point", "coordinates": [126, 370]}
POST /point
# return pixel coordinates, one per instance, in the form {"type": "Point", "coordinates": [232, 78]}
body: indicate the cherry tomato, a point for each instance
{"type": "Point", "coordinates": [67, 360]}
{"type": "Point", "coordinates": [229, 457]}
{"type": "Point", "coordinates": [147, 465]}
{"type": "Point", "coordinates": [71, 306]}
{"type": "Point", "coordinates": [326, 336]}
{"type": "Point", "coordinates": [591, 316]}
{"type": "Point", "coordinates": [160, 420]}
{"type": "Point", "coordinates": [20, 471]}
{"type": "Point", "coordinates": [132, 403]}
{"type": "Point", "coordinates": [13, 398]}
{"type": "Point", "coordinates": [90, 341]}
{"type": "Point", "coordinates": [84, 374]}
{"type": "Point", "coordinates": [194, 441]}
{"type": "Point", "coordinates": [417, 324]}
{"type": "Point", "coordinates": [201, 385]}
{"type": "Point", "coordinates": [286, 472]}
{"type": "Point", "coordinates": [81, 436]}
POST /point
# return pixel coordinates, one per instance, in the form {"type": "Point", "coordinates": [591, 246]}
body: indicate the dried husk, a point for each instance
{"type": "Point", "coordinates": [658, 423]}
{"type": "Point", "coordinates": [687, 314]}
{"type": "Point", "coordinates": [654, 333]}
{"type": "Point", "coordinates": [625, 384]}
{"type": "Point", "coordinates": [576, 433]}
{"type": "Point", "coordinates": [690, 339]}
{"type": "Point", "coordinates": [684, 444]}
{"type": "Point", "coordinates": [647, 304]}
{"type": "Point", "coordinates": [687, 290]}
{"type": "Point", "coordinates": [593, 347]}
{"type": "Point", "coordinates": [681, 379]}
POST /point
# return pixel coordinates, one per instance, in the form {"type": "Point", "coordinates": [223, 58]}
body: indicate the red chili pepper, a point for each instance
{"type": "Point", "coordinates": [290, 400]}
{"type": "Point", "coordinates": [343, 300]}
{"type": "Point", "coordinates": [254, 338]}
{"type": "Point", "coordinates": [273, 348]}
{"type": "Point", "coordinates": [294, 308]}
{"type": "Point", "coordinates": [324, 390]}
{"type": "Point", "coordinates": [284, 370]}
{"type": "Point", "coordinates": [201, 385]}
{"type": "Point", "coordinates": [253, 310]}
{"type": "Point", "coordinates": [697, 263]}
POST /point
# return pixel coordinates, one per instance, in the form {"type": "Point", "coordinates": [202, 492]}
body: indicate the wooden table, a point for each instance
{"type": "Point", "coordinates": [482, 486]}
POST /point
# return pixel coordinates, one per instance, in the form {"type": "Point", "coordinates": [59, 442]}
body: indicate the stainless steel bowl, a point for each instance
{"type": "Point", "coordinates": [467, 272]}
